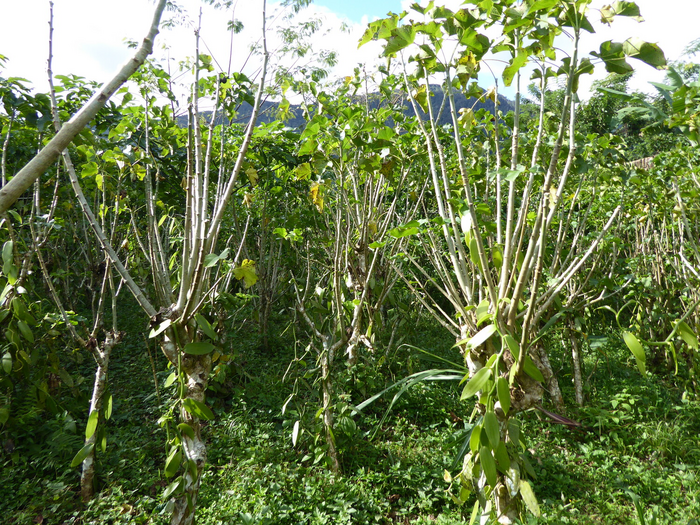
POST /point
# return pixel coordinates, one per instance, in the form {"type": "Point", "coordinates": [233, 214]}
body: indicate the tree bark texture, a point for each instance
{"type": "Point", "coordinates": [327, 392]}
{"type": "Point", "coordinates": [196, 371]}
{"type": "Point", "coordinates": [102, 358]}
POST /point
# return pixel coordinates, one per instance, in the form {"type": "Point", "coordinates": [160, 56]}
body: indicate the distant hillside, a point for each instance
{"type": "Point", "coordinates": [269, 110]}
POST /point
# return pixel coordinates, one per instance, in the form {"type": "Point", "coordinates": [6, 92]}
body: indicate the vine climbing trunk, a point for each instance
{"type": "Point", "coordinates": [195, 371]}
{"type": "Point", "coordinates": [327, 392]}
{"type": "Point", "coordinates": [102, 355]}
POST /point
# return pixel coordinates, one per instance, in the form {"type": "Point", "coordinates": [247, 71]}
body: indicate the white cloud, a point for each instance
{"type": "Point", "coordinates": [88, 39]}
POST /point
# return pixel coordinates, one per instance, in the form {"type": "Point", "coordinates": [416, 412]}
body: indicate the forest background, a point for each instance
{"type": "Point", "coordinates": [250, 288]}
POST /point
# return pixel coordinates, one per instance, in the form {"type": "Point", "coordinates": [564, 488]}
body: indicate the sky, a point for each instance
{"type": "Point", "coordinates": [89, 35]}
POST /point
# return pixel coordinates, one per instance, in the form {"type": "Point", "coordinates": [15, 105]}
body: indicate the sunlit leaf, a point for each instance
{"type": "Point", "coordinates": [160, 329]}
{"type": "Point", "coordinates": [476, 383]}
{"type": "Point", "coordinates": [82, 454]}
{"type": "Point", "coordinates": [92, 424]}
{"type": "Point", "coordinates": [637, 350]}
{"type": "Point", "coordinates": [197, 408]}
{"type": "Point", "coordinates": [488, 464]}
{"type": "Point", "coordinates": [503, 394]}
{"type": "Point", "coordinates": [172, 463]}
{"type": "Point", "coordinates": [295, 433]}
{"type": "Point", "coordinates": [492, 429]}
{"type": "Point", "coordinates": [529, 497]}
{"type": "Point", "coordinates": [246, 271]}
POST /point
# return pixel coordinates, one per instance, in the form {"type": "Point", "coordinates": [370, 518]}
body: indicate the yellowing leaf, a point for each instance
{"type": "Point", "coordinates": [529, 497]}
{"type": "Point", "coordinates": [246, 271]}
{"type": "Point", "coordinates": [316, 193]}
{"type": "Point", "coordinates": [252, 176]}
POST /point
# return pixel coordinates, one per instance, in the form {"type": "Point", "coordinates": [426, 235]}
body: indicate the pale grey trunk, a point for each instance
{"type": "Point", "coordinates": [327, 392]}
{"type": "Point", "coordinates": [102, 358]}
{"type": "Point", "coordinates": [550, 378]}
{"type": "Point", "coordinates": [576, 358]}
{"type": "Point", "coordinates": [196, 370]}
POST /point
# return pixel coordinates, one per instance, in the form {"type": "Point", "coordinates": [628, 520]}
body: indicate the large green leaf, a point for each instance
{"type": "Point", "coordinates": [637, 350]}
{"type": "Point", "coordinates": [172, 464]}
{"type": "Point", "coordinates": [503, 394]}
{"type": "Point", "coordinates": [201, 348]}
{"type": "Point", "coordinates": [529, 497]}
{"type": "Point", "coordinates": [688, 335]}
{"type": "Point", "coordinates": [400, 38]}
{"type": "Point", "coordinates": [81, 455]}
{"type": "Point", "coordinates": [197, 408]}
{"type": "Point", "coordinates": [492, 429]}
{"type": "Point", "coordinates": [7, 362]}
{"type": "Point", "coordinates": [159, 329]}
{"type": "Point", "coordinates": [645, 51]}
{"type": "Point", "coordinates": [476, 383]}
{"type": "Point", "coordinates": [488, 464]}
{"type": "Point", "coordinates": [186, 430]}
{"type": "Point", "coordinates": [174, 487]}
{"type": "Point", "coordinates": [531, 369]}
{"type": "Point", "coordinates": [479, 338]}
{"type": "Point", "coordinates": [92, 424]}
{"type": "Point", "coordinates": [4, 415]}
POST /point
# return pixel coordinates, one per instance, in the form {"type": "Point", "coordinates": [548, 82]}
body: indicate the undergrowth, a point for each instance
{"type": "Point", "coordinates": [636, 458]}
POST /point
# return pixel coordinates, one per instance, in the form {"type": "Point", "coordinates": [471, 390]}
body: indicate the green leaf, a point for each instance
{"type": "Point", "coordinates": [475, 513]}
{"type": "Point", "coordinates": [175, 486]}
{"type": "Point", "coordinates": [308, 147]}
{"type": "Point", "coordinates": [295, 433]}
{"type": "Point", "coordinates": [7, 252]}
{"type": "Point", "coordinates": [517, 62]}
{"type": "Point", "coordinates": [481, 336]}
{"type": "Point", "coordinates": [503, 394]}
{"type": "Point", "coordinates": [475, 438]}
{"type": "Point", "coordinates": [205, 326]}
{"type": "Point", "coordinates": [186, 430]}
{"type": "Point", "coordinates": [502, 457]}
{"type": "Point", "coordinates": [688, 335]}
{"type": "Point", "coordinates": [402, 231]}
{"type": "Point", "coordinates": [7, 362]}
{"type": "Point", "coordinates": [476, 383]}
{"type": "Point", "coordinates": [246, 271]}
{"type": "Point", "coordinates": [492, 429]}
{"type": "Point", "coordinates": [488, 464]}
{"type": "Point", "coordinates": [513, 345]}
{"type": "Point", "coordinates": [646, 52]}
{"type": "Point", "coordinates": [26, 331]}
{"type": "Point", "coordinates": [172, 464]}
{"type": "Point", "coordinates": [529, 497]}
{"type": "Point", "coordinates": [532, 370]}
{"type": "Point", "coordinates": [170, 380]}
{"type": "Point", "coordinates": [108, 407]}
{"type": "Point", "coordinates": [161, 328]}
{"type": "Point", "coordinates": [400, 38]}
{"type": "Point", "coordinates": [92, 424]}
{"type": "Point", "coordinates": [82, 454]}
{"type": "Point", "coordinates": [4, 415]}
{"type": "Point", "coordinates": [66, 378]}
{"type": "Point", "coordinates": [198, 348]}
{"type": "Point", "coordinates": [197, 408]}
{"type": "Point", "coordinates": [637, 350]}
{"type": "Point", "coordinates": [497, 257]}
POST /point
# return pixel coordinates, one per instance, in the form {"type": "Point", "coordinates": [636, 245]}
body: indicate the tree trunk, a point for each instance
{"type": "Point", "coordinates": [327, 391]}
{"type": "Point", "coordinates": [87, 489]}
{"type": "Point", "coordinates": [576, 357]}
{"type": "Point", "coordinates": [550, 378]}
{"type": "Point", "coordinates": [196, 371]}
